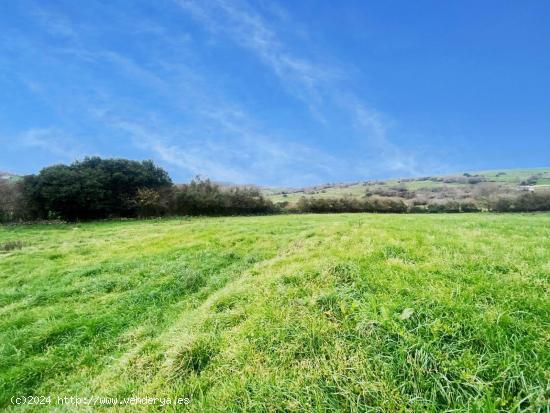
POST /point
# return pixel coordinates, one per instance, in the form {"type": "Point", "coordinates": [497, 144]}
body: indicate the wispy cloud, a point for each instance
{"type": "Point", "coordinates": [54, 141]}
{"type": "Point", "coordinates": [245, 155]}
{"type": "Point", "coordinates": [239, 22]}
{"type": "Point", "coordinates": [223, 141]}
{"type": "Point", "coordinates": [209, 132]}
{"type": "Point", "coordinates": [315, 84]}
{"type": "Point", "coordinates": [390, 157]}
{"type": "Point", "coordinates": [55, 24]}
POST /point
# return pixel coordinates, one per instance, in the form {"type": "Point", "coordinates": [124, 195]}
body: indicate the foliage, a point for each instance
{"type": "Point", "coordinates": [203, 197]}
{"type": "Point", "coordinates": [524, 201]}
{"type": "Point", "coordinates": [12, 201]}
{"type": "Point", "coordinates": [92, 188]}
{"type": "Point", "coordinates": [153, 202]}
{"type": "Point", "coordinates": [104, 188]}
{"type": "Point", "coordinates": [331, 205]}
{"type": "Point", "coordinates": [378, 204]}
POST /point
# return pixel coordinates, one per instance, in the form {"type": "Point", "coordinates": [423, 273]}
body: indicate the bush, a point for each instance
{"type": "Point", "coordinates": [327, 205]}
{"type": "Point", "coordinates": [12, 201]}
{"type": "Point", "coordinates": [396, 191]}
{"type": "Point", "coordinates": [469, 206]}
{"type": "Point", "coordinates": [334, 205]}
{"type": "Point", "coordinates": [501, 204]}
{"type": "Point", "coordinates": [418, 208]}
{"type": "Point", "coordinates": [203, 197]}
{"type": "Point", "coordinates": [447, 206]}
{"type": "Point", "coordinates": [475, 180]}
{"type": "Point", "coordinates": [435, 207]}
{"type": "Point", "coordinates": [522, 202]}
{"type": "Point", "coordinates": [532, 180]}
{"type": "Point", "coordinates": [534, 201]}
{"type": "Point", "coordinates": [385, 205]}
{"type": "Point", "coordinates": [153, 202]}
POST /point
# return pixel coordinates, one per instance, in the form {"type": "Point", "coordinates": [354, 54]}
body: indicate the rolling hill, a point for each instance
{"type": "Point", "coordinates": [505, 179]}
{"type": "Point", "coordinates": [6, 176]}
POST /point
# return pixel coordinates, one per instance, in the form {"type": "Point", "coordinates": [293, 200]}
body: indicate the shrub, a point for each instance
{"type": "Point", "coordinates": [418, 208]}
{"type": "Point", "coordinates": [522, 202]}
{"type": "Point", "coordinates": [469, 206]}
{"type": "Point", "coordinates": [326, 205]}
{"type": "Point", "coordinates": [501, 204]}
{"type": "Point", "coordinates": [386, 205]}
{"type": "Point", "coordinates": [534, 201]}
{"type": "Point", "coordinates": [334, 205]}
{"type": "Point", "coordinates": [435, 207]}
{"type": "Point", "coordinates": [475, 180]}
{"type": "Point", "coordinates": [396, 191]}
{"type": "Point", "coordinates": [153, 202]}
{"type": "Point", "coordinates": [203, 197]}
{"type": "Point", "coordinates": [12, 201]}
{"type": "Point", "coordinates": [447, 206]}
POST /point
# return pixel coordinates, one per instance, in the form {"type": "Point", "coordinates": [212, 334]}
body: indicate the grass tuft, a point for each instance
{"type": "Point", "coordinates": [196, 356]}
{"type": "Point", "coordinates": [11, 245]}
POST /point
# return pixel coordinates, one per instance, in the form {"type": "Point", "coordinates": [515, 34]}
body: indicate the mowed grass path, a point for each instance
{"type": "Point", "coordinates": [349, 312]}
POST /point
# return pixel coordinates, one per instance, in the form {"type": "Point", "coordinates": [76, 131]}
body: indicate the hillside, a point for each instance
{"type": "Point", "coordinates": [6, 176]}
{"type": "Point", "coordinates": [506, 179]}
{"type": "Point", "coordinates": [293, 313]}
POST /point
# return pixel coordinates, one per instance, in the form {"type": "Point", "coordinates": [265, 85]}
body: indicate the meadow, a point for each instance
{"type": "Point", "coordinates": [326, 313]}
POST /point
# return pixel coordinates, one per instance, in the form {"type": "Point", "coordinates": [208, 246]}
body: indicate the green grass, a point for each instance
{"type": "Point", "coordinates": [352, 190]}
{"type": "Point", "coordinates": [283, 313]}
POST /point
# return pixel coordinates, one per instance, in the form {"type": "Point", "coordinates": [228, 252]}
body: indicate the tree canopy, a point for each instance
{"type": "Point", "coordinates": [92, 188]}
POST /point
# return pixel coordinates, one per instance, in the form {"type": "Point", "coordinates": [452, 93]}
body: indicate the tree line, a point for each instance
{"type": "Point", "coordinates": [98, 188]}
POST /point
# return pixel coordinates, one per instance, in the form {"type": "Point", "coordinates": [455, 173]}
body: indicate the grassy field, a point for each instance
{"type": "Point", "coordinates": [282, 313]}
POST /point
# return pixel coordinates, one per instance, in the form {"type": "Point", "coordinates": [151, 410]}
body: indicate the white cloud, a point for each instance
{"type": "Point", "coordinates": [216, 136]}
{"type": "Point", "coordinates": [55, 142]}
{"type": "Point", "coordinates": [54, 24]}
{"type": "Point", "coordinates": [315, 84]}
{"type": "Point", "coordinates": [245, 155]}
{"type": "Point", "coordinates": [244, 26]}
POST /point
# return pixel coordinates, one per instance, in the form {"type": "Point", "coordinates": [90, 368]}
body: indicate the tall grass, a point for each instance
{"type": "Point", "coordinates": [347, 312]}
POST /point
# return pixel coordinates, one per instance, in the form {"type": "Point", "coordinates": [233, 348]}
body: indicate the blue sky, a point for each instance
{"type": "Point", "coordinates": [277, 93]}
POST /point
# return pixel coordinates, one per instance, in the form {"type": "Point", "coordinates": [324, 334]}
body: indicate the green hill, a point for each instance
{"type": "Point", "coordinates": [6, 176]}
{"type": "Point", "coordinates": [506, 179]}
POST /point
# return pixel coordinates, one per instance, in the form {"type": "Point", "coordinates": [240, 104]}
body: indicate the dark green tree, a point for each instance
{"type": "Point", "coordinates": [92, 188]}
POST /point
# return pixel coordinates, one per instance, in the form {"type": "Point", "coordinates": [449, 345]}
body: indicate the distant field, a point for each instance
{"type": "Point", "coordinates": [300, 313]}
{"type": "Point", "coordinates": [9, 177]}
{"type": "Point", "coordinates": [507, 177]}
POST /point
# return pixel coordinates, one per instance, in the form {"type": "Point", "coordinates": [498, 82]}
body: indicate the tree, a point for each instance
{"type": "Point", "coordinates": [12, 201]}
{"type": "Point", "coordinates": [92, 188]}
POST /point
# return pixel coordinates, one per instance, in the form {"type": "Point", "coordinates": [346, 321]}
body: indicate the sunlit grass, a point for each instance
{"type": "Point", "coordinates": [283, 313]}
